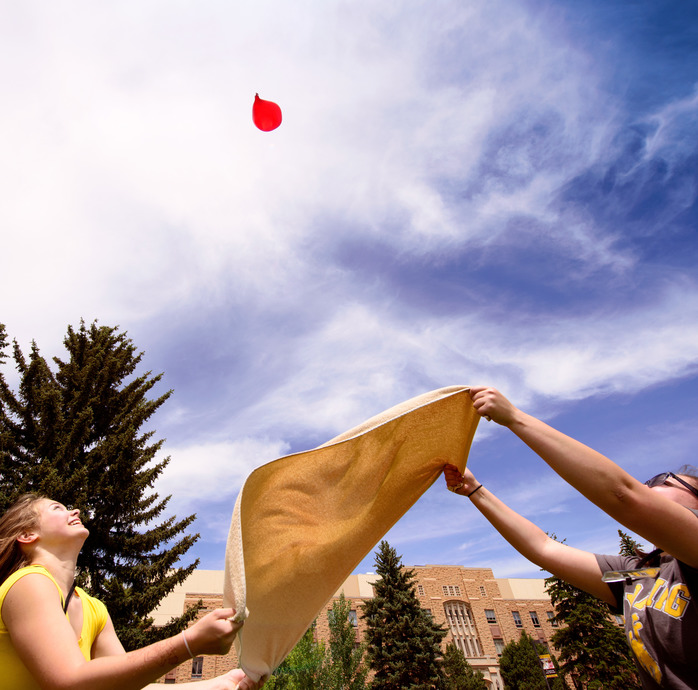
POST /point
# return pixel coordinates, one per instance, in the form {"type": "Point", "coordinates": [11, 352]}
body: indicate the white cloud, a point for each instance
{"type": "Point", "coordinates": [198, 475]}
{"type": "Point", "coordinates": [137, 181]}
{"type": "Point", "coordinates": [137, 191]}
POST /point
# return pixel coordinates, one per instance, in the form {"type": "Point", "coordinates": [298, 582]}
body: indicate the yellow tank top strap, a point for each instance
{"type": "Point", "coordinates": [27, 570]}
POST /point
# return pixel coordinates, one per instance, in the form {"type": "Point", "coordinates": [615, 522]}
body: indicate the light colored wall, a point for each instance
{"type": "Point", "coordinates": [358, 586]}
{"type": "Point", "coordinates": [522, 588]}
{"type": "Point", "coordinates": [203, 582]}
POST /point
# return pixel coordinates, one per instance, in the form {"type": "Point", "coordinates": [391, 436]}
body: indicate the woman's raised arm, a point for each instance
{"type": "Point", "coordinates": [660, 520]}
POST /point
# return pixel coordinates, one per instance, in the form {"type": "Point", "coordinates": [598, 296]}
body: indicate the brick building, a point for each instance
{"type": "Point", "coordinates": [482, 613]}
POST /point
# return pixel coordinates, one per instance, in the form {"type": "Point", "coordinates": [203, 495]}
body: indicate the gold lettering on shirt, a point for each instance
{"type": "Point", "coordinates": [672, 601]}
{"type": "Point", "coordinates": [678, 600]}
{"type": "Point", "coordinates": [630, 598]}
{"type": "Point", "coordinates": [640, 651]}
{"type": "Point", "coordinates": [647, 601]}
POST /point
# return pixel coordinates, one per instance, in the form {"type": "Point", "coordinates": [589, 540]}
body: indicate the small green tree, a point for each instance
{"type": "Point", "coordinates": [403, 642]}
{"type": "Point", "coordinates": [75, 435]}
{"type": "Point", "coordinates": [592, 648]}
{"type": "Point", "coordinates": [628, 546]}
{"type": "Point", "coordinates": [520, 666]}
{"type": "Point", "coordinates": [303, 668]}
{"type": "Point", "coordinates": [344, 668]}
{"type": "Point", "coordinates": [458, 674]}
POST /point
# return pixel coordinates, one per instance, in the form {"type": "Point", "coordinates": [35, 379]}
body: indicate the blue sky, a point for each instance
{"type": "Point", "coordinates": [474, 192]}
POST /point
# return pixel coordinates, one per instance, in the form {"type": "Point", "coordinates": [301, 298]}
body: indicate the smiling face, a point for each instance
{"type": "Point", "coordinates": [57, 523]}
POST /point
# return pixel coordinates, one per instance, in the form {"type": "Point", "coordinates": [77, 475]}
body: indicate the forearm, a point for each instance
{"type": "Point", "coordinates": [527, 538]}
{"type": "Point", "coordinates": [577, 567]}
{"type": "Point", "coordinates": [592, 474]}
{"type": "Point", "coordinates": [131, 671]}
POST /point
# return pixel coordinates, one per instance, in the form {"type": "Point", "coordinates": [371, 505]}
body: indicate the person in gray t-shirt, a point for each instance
{"type": "Point", "coordinates": [661, 613]}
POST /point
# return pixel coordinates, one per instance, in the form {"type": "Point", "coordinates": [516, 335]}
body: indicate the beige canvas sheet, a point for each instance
{"type": "Point", "coordinates": [302, 523]}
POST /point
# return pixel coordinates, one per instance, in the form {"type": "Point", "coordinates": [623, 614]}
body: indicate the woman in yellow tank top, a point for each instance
{"type": "Point", "coordinates": [50, 640]}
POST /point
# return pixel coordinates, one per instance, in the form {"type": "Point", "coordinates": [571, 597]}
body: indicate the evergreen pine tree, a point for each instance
{"type": "Point", "coordinates": [75, 435]}
{"type": "Point", "coordinates": [403, 642]}
{"type": "Point", "coordinates": [628, 546]}
{"type": "Point", "coordinates": [458, 674]}
{"type": "Point", "coordinates": [345, 669]}
{"type": "Point", "coordinates": [520, 666]}
{"type": "Point", "coordinates": [305, 668]}
{"type": "Point", "coordinates": [593, 649]}
{"type": "Point", "coordinates": [8, 468]}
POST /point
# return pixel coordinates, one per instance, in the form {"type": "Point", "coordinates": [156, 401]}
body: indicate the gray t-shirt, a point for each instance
{"type": "Point", "coordinates": [661, 621]}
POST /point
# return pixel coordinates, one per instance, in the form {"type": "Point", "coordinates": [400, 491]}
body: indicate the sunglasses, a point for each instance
{"type": "Point", "coordinates": [661, 479]}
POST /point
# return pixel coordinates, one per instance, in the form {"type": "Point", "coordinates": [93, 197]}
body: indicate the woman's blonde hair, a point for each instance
{"type": "Point", "coordinates": [21, 517]}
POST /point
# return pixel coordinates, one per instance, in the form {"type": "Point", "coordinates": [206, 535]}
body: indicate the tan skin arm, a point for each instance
{"type": "Point", "coordinates": [108, 644]}
{"type": "Point", "coordinates": [46, 643]}
{"type": "Point", "coordinates": [658, 515]}
{"type": "Point", "coordinates": [575, 566]}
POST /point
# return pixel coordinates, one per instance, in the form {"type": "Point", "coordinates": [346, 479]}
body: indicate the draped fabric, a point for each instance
{"type": "Point", "coordinates": [302, 523]}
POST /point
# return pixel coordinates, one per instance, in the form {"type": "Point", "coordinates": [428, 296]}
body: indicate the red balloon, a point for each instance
{"type": "Point", "coordinates": [265, 114]}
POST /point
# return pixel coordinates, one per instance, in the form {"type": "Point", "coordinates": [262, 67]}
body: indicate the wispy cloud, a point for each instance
{"type": "Point", "coordinates": [214, 472]}
{"type": "Point", "coordinates": [456, 195]}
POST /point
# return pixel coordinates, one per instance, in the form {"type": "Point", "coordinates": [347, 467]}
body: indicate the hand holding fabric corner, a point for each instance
{"type": "Point", "coordinates": [302, 523]}
{"type": "Point", "coordinates": [660, 605]}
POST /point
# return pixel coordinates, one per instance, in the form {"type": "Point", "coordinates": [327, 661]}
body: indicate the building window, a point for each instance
{"type": "Point", "coordinates": [489, 614]}
{"type": "Point", "coordinates": [420, 590]}
{"type": "Point", "coordinates": [451, 590]}
{"type": "Point", "coordinates": [619, 620]}
{"type": "Point", "coordinates": [534, 619]}
{"type": "Point", "coordinates": [483, 591]}
{"type": "Point", "coordinates": [499, 646]}
{"type": "Point", "coordinates": [551, 619]}
{"type": "Point", "coordinates": [197, 667]}
{"type": "Point", "coordinates": [428, 612]}
{"type": "Point", "coordinates": [517, 619]}
{"type": "Point", "coordinates": [462, 627]}
{"type": "Point", "coordinates": [171, 677]}
{"type": "Point", "coordinates": [353, 619]}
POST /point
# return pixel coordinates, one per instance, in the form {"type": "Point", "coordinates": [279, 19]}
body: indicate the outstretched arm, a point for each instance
{"type": "Point", "coordinates": [575, 566]}
{"type": "Point", "coordinates": [45, 641]}
{"type": "Point", "coordinates": [647, 512]}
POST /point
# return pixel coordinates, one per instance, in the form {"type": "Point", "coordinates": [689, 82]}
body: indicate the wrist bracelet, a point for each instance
{"type": "Point", "coordinates": [186, 644]}
{"type": "Point", "coordinates": [477, 488]}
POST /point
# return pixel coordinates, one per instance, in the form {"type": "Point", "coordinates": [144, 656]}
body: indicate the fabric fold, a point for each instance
{"type": "Point", "coordinates": [302, 523]}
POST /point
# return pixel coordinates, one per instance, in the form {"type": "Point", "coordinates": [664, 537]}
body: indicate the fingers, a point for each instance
{"type": "Point", "coordinates": [451, 471]}
{"type": "Point", "coordinates": [223, 613]}
{"type": "Point", "coordinates": [489, 403]}
{"type": "Point", "coordinates": [243, 682]}
{"type": "Point", "coordinates": [215, 632]}
{"type": "Point", "coordinates": [461, 483]}
{"type": "Point", "coordinates": [454, 479]}
{"type": "Point", "coordinates": [223, 617]}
